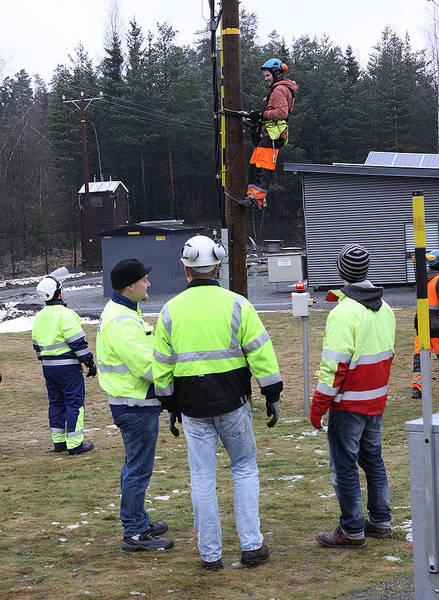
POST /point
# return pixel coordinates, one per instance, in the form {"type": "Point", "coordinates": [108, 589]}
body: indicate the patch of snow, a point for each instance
{"type": "Point", "coordinates": [62, 539]}
{"type": "Point", "coordinates": [75, 526]}
{"type": "Point", "coordinates": [236, 564]}
{"type": "Point", "coordinates": [16, 325]}
{"type": "Point", "coordinates": [49, 566]}
{"type": "Point", "coordinates": [86, 286]}
{"type": "Point", "coordinates": [290, 477]}
{"type": "Point", "coordinates": [320, 451]}
{"type": "Point", "coordinates": [162, 471]}
{"type": "Point", "coordinates": [392, 558]}
{"type": "Point", "coordinates": [161, 497]}
{"type": "Point", "coordinates": [84, 522]}
{"type": "Point", "coordinates": [54, 523]}
{"type": "Point", "coordinates": [111, 426]}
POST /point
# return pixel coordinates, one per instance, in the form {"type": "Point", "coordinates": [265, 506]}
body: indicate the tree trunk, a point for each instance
{"type": "Point", "coordinates": [142, 171]}
{"type": "Point", "coordinates": [171, 181]}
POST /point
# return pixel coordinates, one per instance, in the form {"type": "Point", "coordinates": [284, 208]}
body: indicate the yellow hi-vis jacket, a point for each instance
{"type": "Point", "coordinates": [206, 338]}
{"type": "Point", "coordinates": [58, 338]}
{"type": "Point", "coordinates": [124, 346]}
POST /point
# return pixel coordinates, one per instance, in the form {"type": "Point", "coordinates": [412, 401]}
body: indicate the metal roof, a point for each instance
{"type": "Point", "coordinates": [102, 186]}
{"type": "Point", "coordinates": [348, 169]}
{"type": "Point", "coordinates": [153, 227]}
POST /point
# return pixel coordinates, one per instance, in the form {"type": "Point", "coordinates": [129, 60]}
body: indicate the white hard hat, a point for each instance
{"type": "Point", "coordinates": [200, 252]}
{"type": "Point", "coordinates": [47, 287]}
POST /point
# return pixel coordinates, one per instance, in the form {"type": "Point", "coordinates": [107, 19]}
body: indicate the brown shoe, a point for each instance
{"type": "Point", "coordinates": [337, 539]}
{"type": "Point", "coordinates": [216, 565]}
{"type": "Point", "coordinates": [377, 532]}
{"type": "Point", "coordinates": [253, 558]}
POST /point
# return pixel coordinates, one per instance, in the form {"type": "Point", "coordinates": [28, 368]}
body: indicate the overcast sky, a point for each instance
{"type": "Point", "coordinates": [36, 35]}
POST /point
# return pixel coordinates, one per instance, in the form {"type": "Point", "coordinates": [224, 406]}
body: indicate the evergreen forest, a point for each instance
{"type": "Point", "coordinates": [153, 129]}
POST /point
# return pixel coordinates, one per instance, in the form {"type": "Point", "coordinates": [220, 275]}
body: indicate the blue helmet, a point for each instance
{"type": "Point", "coordinates": [276, 68]}
{"type": "Point", "coordinates": [432, 258]}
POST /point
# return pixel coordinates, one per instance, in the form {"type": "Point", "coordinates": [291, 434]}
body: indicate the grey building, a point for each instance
{"type": "Point", "coordinates": [370, 204]}
{"type": "Point", "coordinates": [155, 243]}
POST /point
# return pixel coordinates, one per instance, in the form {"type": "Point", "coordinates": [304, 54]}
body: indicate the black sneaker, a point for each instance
{"type": "Point", "coordinates": [59, 447]}
{"type": "Point", "coordinates": [216, 565]}
{"type": "Point", "coordinates": [146, 541]}
{"type": "Point", "coordinates": [157, 528]}
{"type": "Point", "coordinates": [416, 394]}
{"type": "Point", "coordinates": [253, 558]}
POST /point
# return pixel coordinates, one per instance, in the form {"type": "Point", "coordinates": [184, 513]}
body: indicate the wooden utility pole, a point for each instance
{"type": "Point", "coordinates": [235, 162]}
{"type": "Point", "coordinates": [83, 107]}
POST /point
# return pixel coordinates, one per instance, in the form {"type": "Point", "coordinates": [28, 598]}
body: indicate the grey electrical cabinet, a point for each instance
{"type": "Point", "coordinates": [426, 583]}
{"type": "Point", "coordinates": [285, 267]}
{"type": "Point", "coordinates": [157, 244]}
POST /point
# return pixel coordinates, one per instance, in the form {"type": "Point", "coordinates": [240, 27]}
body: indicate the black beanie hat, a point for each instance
{"type": "Point", "coordinates": [353, 263]}
{"type": "Point", "coordinates": [126, 272]}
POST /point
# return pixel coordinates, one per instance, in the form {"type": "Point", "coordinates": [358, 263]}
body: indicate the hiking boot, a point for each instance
{"type": "Point", "coordinates": [416, 394]}
{"type": "Point", "coordinates": [146, 541]}
{"type": "Point", "coordinates": [84, 447]}
{"type": "Point", "coordinates": [216, 565]}
{"type": "Point", "coordinates": [337, 539]}
{"type": "Point", "coordinates": [59, 447]}
{"type": "Point", "coordinates": [157, 528]}
{"type": "Point", "coordinates": [253, 558]}
{"type": "Point", "coordinates": [377, 532]}
{"type": "Point", "coordinates": [258, 203]}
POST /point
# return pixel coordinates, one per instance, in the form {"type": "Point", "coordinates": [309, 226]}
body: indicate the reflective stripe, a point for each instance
{"type": "Point", "coordinates": [209, 355]}
{"type": "Point", "coordinates": [370, 359]}
{"type": "Point", "coordinates": [122, 401]}
{"type": "Point", "coordinates": [74, 433]}
{"type": "Point", "coordinates": [166, 318]}
{"type": "Point", "coordinates": [82, 352]}
{"type": "Point", "coordinates": [257, 343]}
{"type": "Point", "coordinates": [38, 354]}
{"type": "Point", "coordinates": [57, 430]}
{"type": "Point", "coordinates": [433, 307]}
{"type": "Point", "coordinates": [264, 381]}
{"type": "Point", "coordinates": [60, 363]}
{"type": "Point", "coordinates": [75, 337]}
{"type": "Point", "coordinates": [53, 346]}
{"type": "Point", "coordinates": [337, 356]}
{"type": "Point", "coordinates": [148, 375]}
{"type": "Point", "coordinates": [119, 369]}
{"type": "Point", "coordinates": [164, 358]}
{"type": "Point", "coordinates": [120, 318]}
{"type": "Point", "coordinates": [255, 192]}
{"type": "Point", "coordinates": [165, 391]}
{"type": "Point", "coordinates": [368, 395]}
{"type": "Point", "coordinates": [325, 389]}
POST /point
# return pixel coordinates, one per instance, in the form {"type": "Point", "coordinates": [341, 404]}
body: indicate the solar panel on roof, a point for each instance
{"type": "Point", "coordinates": [430, 161]}
{"type": "Point", "coordinates": [408, 160]}
{"type": "Point", "coordinates": [380, 159]}
{"type": "Point", "coordinates": [402, 159]}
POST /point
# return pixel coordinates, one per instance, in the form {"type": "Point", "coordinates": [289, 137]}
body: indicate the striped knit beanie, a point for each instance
{"type": "Point", "coordinates": [353, 263]}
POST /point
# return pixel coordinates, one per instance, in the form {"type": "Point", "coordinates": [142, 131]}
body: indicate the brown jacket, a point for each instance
{"type": "Point", "coordinates": [280, 100]}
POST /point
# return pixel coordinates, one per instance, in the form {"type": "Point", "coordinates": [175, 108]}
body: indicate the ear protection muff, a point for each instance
{"type": "Point", "coordinates": [189, 252]}
{"type": "Point", "coordinates": [219, 251]}
{"type": "Point", "coordinates": [284, 67]}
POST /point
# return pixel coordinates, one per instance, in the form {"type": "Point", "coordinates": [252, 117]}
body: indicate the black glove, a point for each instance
{"type": "Point", "coordinates": [255, 115]}
{"type": "Point", "coordinates": [169, 403]}
{"type": "Point", "coordinates": [172, 418]}
{"type": "Point", "coordinates": [273, 410]}
{"type": "Point", "coordinates": [91, 368]}
{"type": "Point", "coordinates": [1, 377]}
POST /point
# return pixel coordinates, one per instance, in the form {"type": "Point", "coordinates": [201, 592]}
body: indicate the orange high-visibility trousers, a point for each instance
{"type": "Point", "coordinates": [416, 378]}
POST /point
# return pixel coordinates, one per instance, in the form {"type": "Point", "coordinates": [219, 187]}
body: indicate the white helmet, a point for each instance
{"type": "Point", "coordinates": [51, 283]}
{"type": "Point", "coordinates": [202, 253]}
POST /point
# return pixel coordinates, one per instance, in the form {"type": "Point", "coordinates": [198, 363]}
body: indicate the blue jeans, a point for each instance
{"type": "Point", "coordinates": [355, 438]}
{"type": "Point", "coordinates": [236, 433]}
{"type": "Point", "coordinates": [139, 433]}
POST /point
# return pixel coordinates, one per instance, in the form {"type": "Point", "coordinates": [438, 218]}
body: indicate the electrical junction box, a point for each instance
{"type": "Point", "coordinates": [300, 304]}
{"type": "Point", "coordinates": [285, 267]}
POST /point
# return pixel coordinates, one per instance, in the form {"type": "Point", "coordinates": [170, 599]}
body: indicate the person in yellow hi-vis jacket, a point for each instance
{"type": "Point", "coordinates": [124, 353]}
{"type": "Point", "coordinates": [60, 344]}
{"type": "Point", "coordinates": [206, 340]}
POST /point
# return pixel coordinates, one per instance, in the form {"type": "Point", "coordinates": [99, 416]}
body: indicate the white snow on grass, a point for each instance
{"type": "Point", "coordinates": [290, 477]}
{"type": "Point", "coordinates": [75, 526]}
{"type": "Point", "coordinates": [392, 558]}
{"type": "Point", "coordinates": [161, 497]}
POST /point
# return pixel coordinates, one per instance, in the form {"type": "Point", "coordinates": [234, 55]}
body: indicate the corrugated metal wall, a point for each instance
{"type": "Point", "coordinates": [370, 210]}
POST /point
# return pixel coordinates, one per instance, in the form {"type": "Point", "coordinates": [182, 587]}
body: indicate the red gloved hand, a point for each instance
{"type": "Point", "coordinates": [316, 420]}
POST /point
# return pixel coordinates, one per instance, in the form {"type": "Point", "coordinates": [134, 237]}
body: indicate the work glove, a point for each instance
{"type": "Point", "coordinates": [169, 403]}
{"type": "Point", "coordinates": [316, 419]}
{"type": "Point", "coordinates": [255, 115]}
{"type": "Point", "coordinates": [91, 368]}
{"type": "Point", "coordinates": [1, 377]}
{"type": "Point", "coordinates": [273, 411]}
{"type": "Point", "coordinates": [172, 418]}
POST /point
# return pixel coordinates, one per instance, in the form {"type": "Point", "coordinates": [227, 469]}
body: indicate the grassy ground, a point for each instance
{"type": "Point", "coordinates": [60, 533]}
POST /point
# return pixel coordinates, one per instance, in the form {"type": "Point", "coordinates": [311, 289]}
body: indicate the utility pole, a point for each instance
{"type": "Point", "coordinates": [83, 107]}
{"type": "Point", "coordinates": [235, 162]}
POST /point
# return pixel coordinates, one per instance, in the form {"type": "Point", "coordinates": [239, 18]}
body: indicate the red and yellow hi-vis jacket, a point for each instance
{"type": "Point", "coordinates": [357, 352]}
